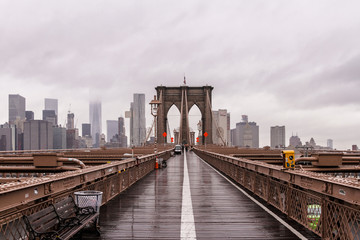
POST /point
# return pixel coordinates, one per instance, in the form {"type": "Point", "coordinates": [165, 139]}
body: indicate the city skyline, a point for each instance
{"type": "Point", "coordinates": [104, 124]}
{"type": "Point", "coordinates": [278, 62]}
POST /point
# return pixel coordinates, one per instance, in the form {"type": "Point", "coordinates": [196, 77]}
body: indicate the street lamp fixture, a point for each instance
{"type": "Point", "coordinates": [154, 106]}
{"type": "Point", "coordinates": [154, 111]}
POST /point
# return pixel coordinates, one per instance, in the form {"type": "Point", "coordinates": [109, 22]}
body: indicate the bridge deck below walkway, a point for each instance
{"type": "Point", "coordinates": [160, 207]}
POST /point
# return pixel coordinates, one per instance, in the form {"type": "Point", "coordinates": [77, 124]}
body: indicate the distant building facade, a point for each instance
{"type": "Point", "coordinates": [29, 115]}
{"type": "Point", "coordinates": [312, 144]}
{"type": "Point", "coordinates": [86, 129]}
{"type": "Point", "coordinates": [246, 133]}
{"type": "Point", "coordinates": [16, 108]}
{"type": "Point", "coordinates": [3, 143]}
{"type": "Point", "coordinates": [112, 127]}
{"type": "Point", "coordinates": [85, 142]}
{"type": "Point", "coordinates": [70, 138]}
{"type": "Point", "coordinates": [233, 137]}
{"type": "Point", "coordinates": [122, 136]}
{"type": "Point", "coordinates": [277, 137]}
{"type": "Point", "coordinates": [59, 138]}
{"type": "Point", "coordinates": [330, 144]}
{"type": "Point", "coordinates": [7, 137]}
{"type": "Point", "coordinates": [228, 128]}
{"type": "Point", "coordinates": [50, 116]}
{"type": "Point", "coordinates": [72, 133]}
{"type": "Point", "coordinates": [70, 121]}
{"type": "Point", "coordinates": [137, 120]}
{"type": "Point", "coordinates": [295, 141]}
{"type": "Point", "coordinates": [38, 134]}
{"type": "Point", "coordinates": [95, 121]}
{"type": "Point", "coordinates": [51, 104]}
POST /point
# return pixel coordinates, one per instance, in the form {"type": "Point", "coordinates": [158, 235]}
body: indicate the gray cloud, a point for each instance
{"type": "Point", "coordinates": [270, 60]}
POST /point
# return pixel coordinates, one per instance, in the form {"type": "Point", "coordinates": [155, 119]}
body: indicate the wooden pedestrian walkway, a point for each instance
{"type": "Point", "coordinates": [159, 206]}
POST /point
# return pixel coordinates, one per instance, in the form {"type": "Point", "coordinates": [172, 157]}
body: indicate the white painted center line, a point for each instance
{"type": "Point", "coordinates": [299, 235]}
{"type": "Point", "coordinates": [187, 214]}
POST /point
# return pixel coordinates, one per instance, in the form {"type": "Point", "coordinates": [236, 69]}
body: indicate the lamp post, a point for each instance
{"type": "Point", "coordinates": [199, 127]}
{"type": "Point", "coordinates": [154, 111]}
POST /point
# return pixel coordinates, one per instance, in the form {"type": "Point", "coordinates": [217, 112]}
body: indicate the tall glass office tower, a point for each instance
{"type": "Point", "coordinates": [95, 121]}
{"type": "Point", "coordinates": [137, 120]}
{"type": "Point", "coordinates": [16, 108]}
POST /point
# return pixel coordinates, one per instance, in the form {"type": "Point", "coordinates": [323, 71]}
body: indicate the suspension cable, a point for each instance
{"type": "Point", "coordinates": [216, 123]}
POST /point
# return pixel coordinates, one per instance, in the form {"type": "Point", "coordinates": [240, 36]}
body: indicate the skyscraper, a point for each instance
{"type": "Point", "coordinates": [95, 121]}
{"type": "Point", "coordinates": [247, 133]}
{"type": "Point", "coordinates": [16, 108]}
{"type": "Point", "coordinates": [295, 141]}
{"type": "Point", "coordinates": [29, 115]}
{"type": "Point", "coordinates": [122, 136]}
{"type": "Point", "coordinates": [17, 118]}
{"type": "Point", "coordinates": [51, 104]}
{"type": "Point", "coordinates": [59, 139]}
{"type": "Point", "coordinates": [137, 120]}
{"type": "Point", "coordinates": [72, 138]}
{"type": "Point", "coordinates": [70, 121]}
{"type": "Point", "coordinates": [233, 137]}
{"type": "Point", "coordinates": [121, 127]}
{"type": "Point", "coordinates": [50, 116]}
{"type": "Point", "coordinates": [7, 137]}
{"type": "Point", "coordinates": [330, 143]}
{"type": "Point", "coordinates": [277, 137]}
{"type": "Point", "coordinates": [86, 129]}
{"type": "Point", "coordinates": [228, 130]}
{"type": "Point", "coordinates": [38, 134]}
{"type": "Point", "coordinates": [112, 129]}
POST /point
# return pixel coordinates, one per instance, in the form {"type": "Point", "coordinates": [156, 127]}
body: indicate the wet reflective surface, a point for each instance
{"type": "Point", "coordinates": [151, 208]}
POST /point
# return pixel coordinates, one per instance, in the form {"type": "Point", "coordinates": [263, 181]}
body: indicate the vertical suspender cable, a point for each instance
{"type": "Point", "coordinates": [181, 115]}
{"type": "Point", "coordinates": [187, 117]}
{"type": "Point", "coordinates": [216, 123]}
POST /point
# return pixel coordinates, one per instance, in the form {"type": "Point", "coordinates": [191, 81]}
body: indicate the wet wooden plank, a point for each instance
{"type": "Point", "coordinates": [151, 208]}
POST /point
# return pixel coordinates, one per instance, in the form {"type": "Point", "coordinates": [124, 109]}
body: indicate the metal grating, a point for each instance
{"type": "Point", "coordinates": [277, 195]}
{"type": "Point", "coordinates": [306, 209]}
{"type": "Point", "coordinates": [342, 222]}
{"type": "Point", "coordinates": [261, 186]}
{"type": "Point", "coordinates": [330, 219]}
{"type": "Point", "coordinates": [13, 227]}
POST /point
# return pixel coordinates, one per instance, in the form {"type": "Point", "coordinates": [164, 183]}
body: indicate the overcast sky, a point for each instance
{"type": "Point", "coordinates": [292, 63]}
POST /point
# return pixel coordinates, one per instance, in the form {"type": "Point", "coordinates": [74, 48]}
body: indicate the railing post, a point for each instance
{"type": "Point", "coordinates": [324, 217]}
{"type": "Point", "coordinates": [267, 189]}
{"type": "Point", "coordinates": [288, 200]}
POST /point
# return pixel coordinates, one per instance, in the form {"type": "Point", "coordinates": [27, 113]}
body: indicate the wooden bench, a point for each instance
{"type": "Point", "coordinates": [61, 221]}
{"type": "Point", "coordinates": [43, 224]}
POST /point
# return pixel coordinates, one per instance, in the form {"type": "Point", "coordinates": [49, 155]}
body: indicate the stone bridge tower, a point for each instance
{"type": "Point", "coordinates": [184, 97]}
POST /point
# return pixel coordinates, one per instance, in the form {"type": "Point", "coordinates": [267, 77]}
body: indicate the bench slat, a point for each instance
{"type": "Point", "coordinates": [41, 213]}
{"type": "Point", "coordinates": [48, 226]}
{"type": "Point", "coordinates": [55, 217]}
{"type": "Point", "coordinates": [75, 229]}
{"type": "Point", "coordinates": [66, 211]}
{"type": "Point", "coordinates": [41, 222]}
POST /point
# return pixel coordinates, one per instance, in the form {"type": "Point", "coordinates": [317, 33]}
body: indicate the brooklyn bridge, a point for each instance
{"type": "Point", "coordinates": [206, 192]}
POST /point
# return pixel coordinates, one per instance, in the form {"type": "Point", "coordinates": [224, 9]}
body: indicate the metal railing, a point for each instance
{"type": "Point", "coordinates": [25, 198]}
{"type": "Point", "coordinates": [328, 206]}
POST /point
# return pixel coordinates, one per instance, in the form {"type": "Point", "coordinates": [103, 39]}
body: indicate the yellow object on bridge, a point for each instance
{"type": "Point", "coordinates": [288, 159]}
